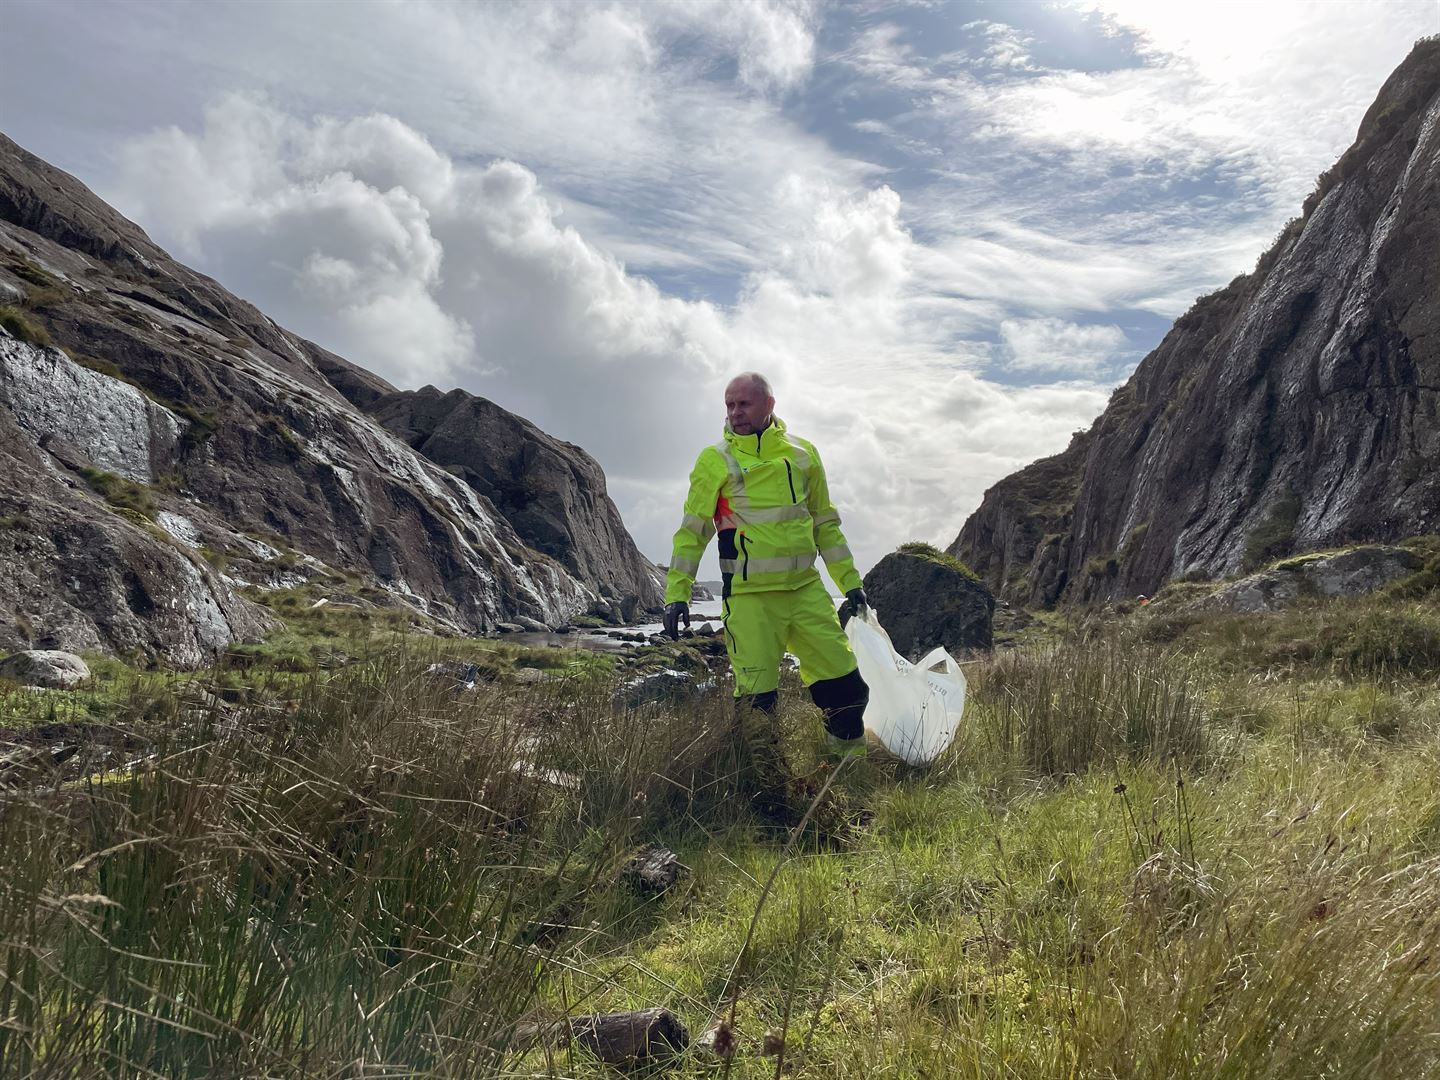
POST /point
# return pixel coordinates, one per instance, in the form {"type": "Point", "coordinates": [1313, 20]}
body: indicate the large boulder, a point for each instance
{"type": "Point", "coordinates": [925, 598]}
{"type": "Point", "coordinates": [1357, 571]}
{"type": "Point", "coordinates": [45, 667]}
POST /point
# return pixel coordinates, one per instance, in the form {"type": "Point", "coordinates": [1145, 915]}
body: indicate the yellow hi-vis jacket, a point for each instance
{"type": "Point", "coordinates": [765, 496]}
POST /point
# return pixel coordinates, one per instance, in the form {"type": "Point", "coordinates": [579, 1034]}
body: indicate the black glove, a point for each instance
{"type": "Point", "coordinates": [857, 601]}
{"type": "Point", "coordinates": [673, 614]}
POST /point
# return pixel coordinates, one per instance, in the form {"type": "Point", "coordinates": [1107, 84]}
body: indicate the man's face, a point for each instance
{"type": "Point", "coordinates": [747, 408]}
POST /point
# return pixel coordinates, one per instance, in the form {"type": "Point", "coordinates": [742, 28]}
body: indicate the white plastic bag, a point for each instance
{"type": "Point", "coordinates": [914, 709]}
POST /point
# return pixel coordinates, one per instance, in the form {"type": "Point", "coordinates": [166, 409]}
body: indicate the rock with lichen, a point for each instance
{"type": "Point", "coordinates": [925, 598]}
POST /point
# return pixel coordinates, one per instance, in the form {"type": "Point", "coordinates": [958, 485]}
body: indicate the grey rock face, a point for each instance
{"type": "Point", "coordinates": [180, 528]}
{"type": "Point", "coordinates": [923, 603]}
{"type": "Point", "coordinates": [75, 575]}
{"type": "Point", "coordinates": [266, 455]}
{"type": "Point", "coordinates": [1298, 408]}
{"type": "Point", "coordinates": [551, 492]}
{"type": "Point", "coordinates": [1018, 541]}
{"type": "Point", "coordinates": [45, 667]}
{"type": "Point", "coordinates": [110, 424]}
{"type": "Point", "coordinates": [1347, 573]}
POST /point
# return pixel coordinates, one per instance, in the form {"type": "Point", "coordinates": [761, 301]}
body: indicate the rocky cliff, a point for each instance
{"type": "Point", "coordinates": [551, 492]}
{"type": "Point", "coordinates": [1296, 409]}
{"type": "Point", "coordinates": [162, 431]}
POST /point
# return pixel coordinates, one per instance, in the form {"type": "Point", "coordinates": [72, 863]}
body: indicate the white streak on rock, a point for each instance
{"type": "Point", "coordinates": [113, 424]}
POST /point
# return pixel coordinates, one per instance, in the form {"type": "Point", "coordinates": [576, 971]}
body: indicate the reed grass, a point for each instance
{"type": "Point", "coordinates": [1140, 858]}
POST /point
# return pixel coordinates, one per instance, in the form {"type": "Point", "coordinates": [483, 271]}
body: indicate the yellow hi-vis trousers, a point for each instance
{"type": "Point", "coordinates": [761, 627]}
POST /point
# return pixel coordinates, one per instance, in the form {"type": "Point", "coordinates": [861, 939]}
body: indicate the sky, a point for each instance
{"type": "Point", "coordinates": [945, 231]}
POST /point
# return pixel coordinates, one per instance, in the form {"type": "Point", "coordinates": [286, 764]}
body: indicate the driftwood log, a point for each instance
{"type": "Point", "coordinates": [631, 1038]}
{"type": "Point", "coordinates": [654, 870]}
{"type": "Point", "coordinates": [626, 1039]}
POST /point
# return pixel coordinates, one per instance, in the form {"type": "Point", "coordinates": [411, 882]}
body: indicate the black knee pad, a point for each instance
{"type": "Point", "coordinates": [843, 702]}
{"type": "Point", "coordinates": [765, 702]}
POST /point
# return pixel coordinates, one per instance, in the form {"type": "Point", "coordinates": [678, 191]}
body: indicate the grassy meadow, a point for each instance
{"type": "Point", "coordinates": [1174, 845]}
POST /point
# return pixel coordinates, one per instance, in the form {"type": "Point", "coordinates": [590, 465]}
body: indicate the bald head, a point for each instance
{"type": "Point", "coordinates": [749, 403]}
{"type": "Point", "coordinates": [758, 382]}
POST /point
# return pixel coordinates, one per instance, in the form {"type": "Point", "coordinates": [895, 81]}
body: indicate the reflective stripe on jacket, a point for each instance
{"type": "Point", "coordinates": [766, 498]}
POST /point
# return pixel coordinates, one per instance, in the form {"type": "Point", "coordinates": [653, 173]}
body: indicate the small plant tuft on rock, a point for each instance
{"type": "Point", "coordinates": [39, 299]}
{"type": "Point", "coordinates": [32, 274]}
{"type": "Point", "coordinates": [21, 327]}
{"type": "Point", "coordinates": [919, 549]}
{"type": "Point", "coordinates": [120, 493]}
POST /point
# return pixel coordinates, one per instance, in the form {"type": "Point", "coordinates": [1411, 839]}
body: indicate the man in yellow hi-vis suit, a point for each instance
{"type": "Point", "coordinates": [762, 490]}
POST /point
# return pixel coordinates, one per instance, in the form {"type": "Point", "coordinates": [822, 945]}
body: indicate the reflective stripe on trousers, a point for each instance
{"type": "Point", "coordinates": [783, 565]}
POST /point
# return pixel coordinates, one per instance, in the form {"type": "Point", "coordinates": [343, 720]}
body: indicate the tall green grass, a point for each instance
{"type": "Point", "coordinates": [1058, 709]}
{"type": "Point", "coordinates": [1140, 858]}
{"type": "Point", "coordinates": [376, 872]}
{"type": "Point", "coordinates": [1373, 637]}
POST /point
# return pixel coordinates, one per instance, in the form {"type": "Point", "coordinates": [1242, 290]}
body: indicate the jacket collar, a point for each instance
{"type": "Point", "coordinates": [766, 444]}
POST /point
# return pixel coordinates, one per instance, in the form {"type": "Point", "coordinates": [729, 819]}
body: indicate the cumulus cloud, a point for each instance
{"type": "Point", "coordinates": [324, 227]}
{"type": "Point", "coordinates": [658, 127]}
{"type": "Point", "coordinates": [360, 234]}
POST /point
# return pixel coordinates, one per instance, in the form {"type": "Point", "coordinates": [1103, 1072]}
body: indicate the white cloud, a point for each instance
{"type": "Point", "coordinates": [1004, 45]}
{"type": "Point", "coordinates": [1264, 89]}
{"type": "Point", "coordinates": [842, 244]}
{"type": "Point", "coordinates": [1104, 171]}
{"type": "Point", "coordinates": [879, 53]}
{"type": "Point", "coordinates": [658, 126]}
{"type": "Point", "coordinates": [1050, 344]}
{"type": "Point", "coordinates": [333, 244]}
{"type": "Point", "coordinates": [774, 44]}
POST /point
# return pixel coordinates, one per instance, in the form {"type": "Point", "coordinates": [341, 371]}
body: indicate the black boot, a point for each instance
{"type": "Point", "coordinates": [843, 702]}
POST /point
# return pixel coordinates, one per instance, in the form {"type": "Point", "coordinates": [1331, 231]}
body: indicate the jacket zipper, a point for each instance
{"type": "Point", "coordinates": [745, 559]}
{"type": "Point", "coordinates": [789, 479]}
